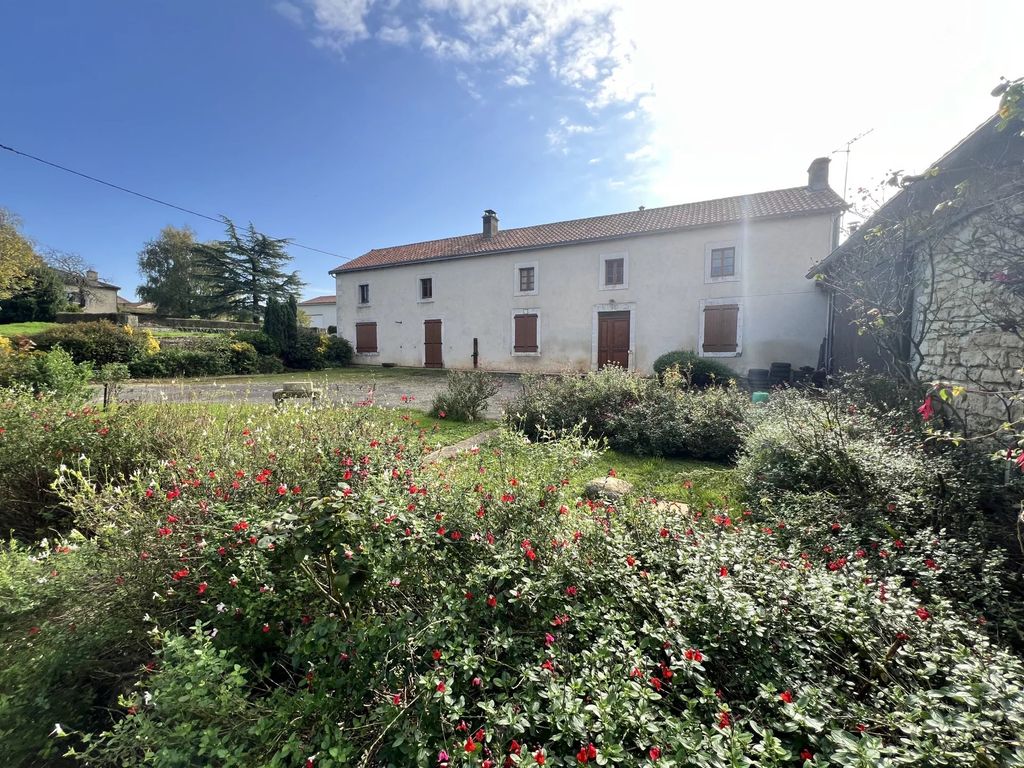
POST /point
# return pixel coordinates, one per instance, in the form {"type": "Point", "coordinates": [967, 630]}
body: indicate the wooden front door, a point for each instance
{"type": "Point", "coordinates": [613, 339]}
{"type": "Point", "coordinates": [432, 344]}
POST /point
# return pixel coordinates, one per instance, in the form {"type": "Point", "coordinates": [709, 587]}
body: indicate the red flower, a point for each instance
{"type": "Point", "coordinates": [923, 614]}
{"type": "Point", "coordinates": [806, 754]}
{"type": "Point", "coordinates": [723, 572]}
{"type": "Point", "coordinates": [592, 752]}
{"type": "Point", "coordinates": [630, 561]}
{"type": "Point", "coordinates": [396, 699]}
{"type": "Point", "coordinates": [441, 687]}
{"type": "Point", "coordinates": [539, 757]}
{"type": "Point", "coordinates": [581, 756]}
{"type": "Point", "coordinates": [926, 412]}
{"type": "Point", "coordinates": [436, 655]}
{"type": "Point", "coordinates": [266, 628]}
{"type": "Point", "coordinates": [692, 654]}
{"type": "Point", "coordinates": [470, 745]}
{"type": "Point", "coordinates": [491, 601]}
{"type": "Point", "coordinates": [241, 525]}
{"type": "Point", "coordinates": [724, 720]}
{"type": "Point", "coordinates": [654, 753]}
{"type": "Point", "coordinates": [179, 575]}
{"type": "Point", "coordinates": [171, 519]}
{"type": "Point", "coordinates": [656, 683]}
{"type": "Point", "coordinates": [163, 531]}
{"type": "Point", "coordinates": [571, 591]}
{"type": "Point", "coordinates": [786, 696]}
{"type": "Point", "coordinates": [282, 490]}
{"type": "Point", "coordinates": [202, 588]}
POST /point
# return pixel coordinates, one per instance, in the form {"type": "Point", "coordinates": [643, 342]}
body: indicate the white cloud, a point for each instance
{"type": "Point", "coordinates": [397, 35]}
{"type": "Point", "coordinates": [594, 160]}
{"type": "Point", "coordinates": [517, 81]}
{"type": "Point", "coordinates": [558, 136]}
{"type": "Point", "coordinates": [340, 22]}
{"type": "Point", "coordinates": [646, 152]}
{"type": "Point", "coordinates": [290, 11]}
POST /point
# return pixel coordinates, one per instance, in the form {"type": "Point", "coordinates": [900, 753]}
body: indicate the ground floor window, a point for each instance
{"type": "Point", "coordinates": [366, 338]}
{"type": "Point", "coordinates": [720, 328]}
{"type": "Point", "coordinates": [525, 334]}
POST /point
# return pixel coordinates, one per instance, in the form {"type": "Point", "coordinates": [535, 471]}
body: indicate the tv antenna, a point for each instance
{"type": "Point", "coordinates": [846, 169]}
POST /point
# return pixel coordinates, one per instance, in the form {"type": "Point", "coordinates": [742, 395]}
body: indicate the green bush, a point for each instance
{"type": "Point", "coordinates": [696, 371]}
{"type": "Point", "coordinates": [339, 352]}
{"type": "Point", "coordinates": [348, 604]}
{"type": "Point", "coordinates": [214, 357]}
{"type": "Point", "coordinates": [826, 443]}
{"type": "Point", "coordinates": [269, 364]}
{"type": "Point", "coordinates": [52, 372]}
{"type": "Point", "coordinates": [700, 424]}
{"type": "Point", "coordinates": [261, 342]}
{"type": "Point", "coordinates": [308, 352]}
{"type": "Point", "coordinates": [465, 395]}
{"type": "Point", "coordinates": [557, 403]}
{"type": "Point", "coordinates": [635, 414]}
{"type": "Point", "coordinates": [97, 342]}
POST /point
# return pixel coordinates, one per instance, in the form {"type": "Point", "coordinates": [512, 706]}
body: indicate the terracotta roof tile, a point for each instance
{"type": "Point", "coordinates": [319, 300]}
{"type": "Point", "coordinates": [782, 202]}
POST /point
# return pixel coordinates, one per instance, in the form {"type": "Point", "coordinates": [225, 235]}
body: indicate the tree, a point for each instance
{"type": "Point", "coordinates": [169, 268]}
{"type": "Point", "coordinates": [74, 271]}
{"type": "Point", "coordinates": [41, 300]}
{"type": "Point", "coordinates": [242, 272]}
{"type": "Point", "coordinates": [17, 256]}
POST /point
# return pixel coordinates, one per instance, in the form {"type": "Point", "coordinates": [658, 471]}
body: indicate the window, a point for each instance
{"type": "Point", "coordinates": [526, 279]}
{"type": "Point", "coordinates": [723, 262]}
{"type": "Point", "coordinates": [364, 293]}
{"type": "Point", "coordinates": [525, 334]}
{"type": "Point", "coordinates": [366, 338]}
{"type": "Point", "coordinates": [426, 288]}
{"type": "Point", "coordinates": [720, 328]}
{"type": "Point", "coordinates": [614, 272]}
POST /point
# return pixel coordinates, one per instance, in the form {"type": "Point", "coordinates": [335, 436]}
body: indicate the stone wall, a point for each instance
{"type": "Point", "coordinates": [958, 313]}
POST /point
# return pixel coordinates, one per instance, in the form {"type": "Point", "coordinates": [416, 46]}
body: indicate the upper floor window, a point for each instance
{"type": "Point", "coordinates": [426, 288]}
{"type": "Point", "coordinates": [614, 271]}
{"type": "Point", "coordinates": [526, 279]}
{"type": "Point", "coordinates": [721, 262]}
{"type": "Point", "coordinates": [364, 293]}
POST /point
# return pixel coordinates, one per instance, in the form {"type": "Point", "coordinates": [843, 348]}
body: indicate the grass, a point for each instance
{"type": "Point", "coordinates": [441, 432]}
{"type": "Point", "coordinates": [664, 478]}
{"type": "Point", "coordinates": [361, 374]}
{"type": "Point", "coordinates": [25, 329]}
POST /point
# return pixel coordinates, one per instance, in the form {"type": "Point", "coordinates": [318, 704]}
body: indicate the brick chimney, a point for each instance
{"type": "Point", "coordinates": [817, 174]}
{"type": "Point", "coordinates": [92, 274]}
{"type": "Point", "coordinates": [490, 224]}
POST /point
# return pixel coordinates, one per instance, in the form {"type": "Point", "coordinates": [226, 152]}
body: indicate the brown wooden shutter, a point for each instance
{"type": "Point", "coordinates": [720, 326]}
{"type": "Point", "coordinates": [366, 337]}
{"type": "Point", "coordinates": [526, 333]}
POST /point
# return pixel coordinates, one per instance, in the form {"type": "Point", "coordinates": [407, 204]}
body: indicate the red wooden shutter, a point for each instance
{"type": "Point", "coordinates": [720, 325]}
{"type": "Point", "coordinates": [526, 333]}
{"type": "Point", "coordinates": [366, 337]}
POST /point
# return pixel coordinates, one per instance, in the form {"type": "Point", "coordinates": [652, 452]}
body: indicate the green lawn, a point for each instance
{"type": "Point", "coordinates": [664, 478]}
{"type": "Point", "coordinates": [360, 374]}
{"type": "Point", "coordinates": [24, 329]}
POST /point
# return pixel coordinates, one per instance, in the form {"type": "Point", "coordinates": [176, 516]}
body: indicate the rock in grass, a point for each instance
{"type": "Point", "coordinates": [607, 488]}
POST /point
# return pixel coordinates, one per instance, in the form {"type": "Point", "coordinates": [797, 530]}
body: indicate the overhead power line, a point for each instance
{"type": "Point", "coordinates": [150, 198]}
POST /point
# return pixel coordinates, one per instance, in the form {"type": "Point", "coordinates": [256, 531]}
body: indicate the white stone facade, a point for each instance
{"type": "Point", "coordinates": [667, 285]}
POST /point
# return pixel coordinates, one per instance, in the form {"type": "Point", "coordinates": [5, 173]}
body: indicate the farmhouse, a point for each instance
{"type": "Point", "coordinates": [723, 277]}
{"type": "Point", "coordinates": [88, 293]}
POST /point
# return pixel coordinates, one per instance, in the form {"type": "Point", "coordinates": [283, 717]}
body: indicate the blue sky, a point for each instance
{"type": "Point", "coordinates": [350, 124]}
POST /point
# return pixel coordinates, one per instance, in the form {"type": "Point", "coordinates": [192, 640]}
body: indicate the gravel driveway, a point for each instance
{"type": "Point", "coordinates": [353, 385]}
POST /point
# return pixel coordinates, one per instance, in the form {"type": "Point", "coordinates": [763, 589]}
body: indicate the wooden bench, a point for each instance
{"type": "Point", "coordinates": [294, 389]}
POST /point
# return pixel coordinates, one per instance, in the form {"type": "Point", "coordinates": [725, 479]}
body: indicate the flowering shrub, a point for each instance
{"type": "Point", "coordinates": [303, 590]}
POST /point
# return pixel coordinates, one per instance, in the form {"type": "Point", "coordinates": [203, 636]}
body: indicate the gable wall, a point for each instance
{"type": "Point", "coordinates": [783, 313]}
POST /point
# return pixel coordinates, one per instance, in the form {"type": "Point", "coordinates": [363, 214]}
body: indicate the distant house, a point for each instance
{"type": "Point", "coordinates": [89, 293]}
{"type": "Point", "coordinates": [721, 277]}
{"type": "Point", "coordinates": [322, 311]}
{"type": "Point", "coordinates": [931, 286]}
{"type": "Point", "coordinates": [135, 307]}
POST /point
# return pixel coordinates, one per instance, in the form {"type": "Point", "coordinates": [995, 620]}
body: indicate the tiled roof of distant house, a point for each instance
{"type": "Point", "coordinates": [319, 300]}
{"type": "Point", "coordinates": [797, 201]}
